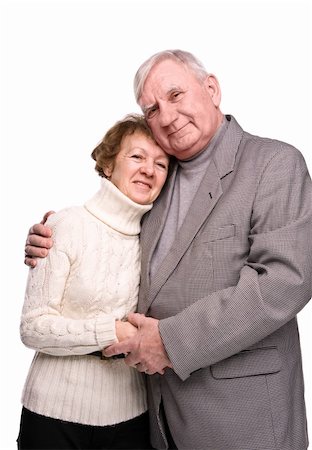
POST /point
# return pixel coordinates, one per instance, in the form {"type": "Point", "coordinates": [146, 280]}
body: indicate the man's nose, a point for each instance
{"type": "Point", "coordinates": [167, 114]}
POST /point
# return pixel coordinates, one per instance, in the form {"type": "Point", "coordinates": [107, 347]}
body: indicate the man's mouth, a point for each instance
{"type": "Point", "coordinates": [178, 131]}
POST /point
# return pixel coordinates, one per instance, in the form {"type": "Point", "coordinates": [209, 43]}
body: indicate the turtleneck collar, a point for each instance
{"type": "Point", "coordinates": [117, 210]}
{"type": "Point", "coordinates": [197, 162]}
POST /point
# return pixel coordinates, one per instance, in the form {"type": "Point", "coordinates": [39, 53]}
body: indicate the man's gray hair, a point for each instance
{"type": "Point", "coordinates": [179, 56]}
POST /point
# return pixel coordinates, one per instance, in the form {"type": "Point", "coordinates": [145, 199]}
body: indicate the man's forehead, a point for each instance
{"type": "Point", "coordinates": [164, 78]}
{"type": "Point", "coordinates": [162, 89]}
{"type": "Point", "coordinates": [167, 73]}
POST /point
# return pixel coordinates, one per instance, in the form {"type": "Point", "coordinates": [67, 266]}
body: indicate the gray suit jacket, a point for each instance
{"type": "Point", "coordinates": [227, 295]}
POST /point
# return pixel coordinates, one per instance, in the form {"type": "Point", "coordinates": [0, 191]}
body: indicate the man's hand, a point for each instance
{"type": "Point", "coordinates": [38, 242]}
{"type": "Point", "coordinates": [125, 330]}
{"type": "Point", "coordinates": [145, 350]}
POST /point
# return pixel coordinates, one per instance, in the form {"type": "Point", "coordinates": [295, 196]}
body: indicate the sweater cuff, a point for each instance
{"type": "Point", "coordinates": [105, 331]}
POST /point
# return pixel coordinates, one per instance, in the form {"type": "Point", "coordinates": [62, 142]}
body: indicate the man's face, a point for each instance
{"type": "Point", "coordinates": [182, 111]}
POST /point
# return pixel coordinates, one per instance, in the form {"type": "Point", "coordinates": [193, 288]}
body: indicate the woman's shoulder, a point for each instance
{"type": "Point", "coordinates": [67, 219]}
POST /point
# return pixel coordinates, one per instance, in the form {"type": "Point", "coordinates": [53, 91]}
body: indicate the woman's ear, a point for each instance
{"type": "Point", "coordinates": [213, 88]}
{"type": "Point", "coordinates": [108, 170]}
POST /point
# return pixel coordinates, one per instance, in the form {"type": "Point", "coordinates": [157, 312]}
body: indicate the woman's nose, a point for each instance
{"type": "Point", "coordinates": [148, 168]}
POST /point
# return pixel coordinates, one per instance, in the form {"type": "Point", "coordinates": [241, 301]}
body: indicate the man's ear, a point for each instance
{"type": "Point", "coordinates": [213, 88]}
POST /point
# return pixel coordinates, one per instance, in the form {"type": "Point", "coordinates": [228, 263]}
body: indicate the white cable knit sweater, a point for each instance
{"type": "Point", "coordinates": [89, 279]}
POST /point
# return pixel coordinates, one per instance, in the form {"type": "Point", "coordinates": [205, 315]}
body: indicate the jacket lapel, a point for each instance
{"type": "Point", "coordinates": [208, 194]}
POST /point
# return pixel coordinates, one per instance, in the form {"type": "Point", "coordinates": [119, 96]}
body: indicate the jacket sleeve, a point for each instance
{"type": "Point", "coordinates": [275, 282]}
{"type": "Point", "coordinates": [44, 326]}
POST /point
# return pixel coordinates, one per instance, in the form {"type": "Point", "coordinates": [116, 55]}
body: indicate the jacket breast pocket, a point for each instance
{"type": "Point", "coordinates": [212, 234]}
{"type": "Point", "coordinates": [228, 250]}
{"type": "Point", "coordinates": [210, 259]}
{"type": "Point", "coordinates": [260, 361]}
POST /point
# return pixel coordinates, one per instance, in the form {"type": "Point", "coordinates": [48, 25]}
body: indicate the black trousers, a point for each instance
{"type": "Point", "coordinates": [40, 432]}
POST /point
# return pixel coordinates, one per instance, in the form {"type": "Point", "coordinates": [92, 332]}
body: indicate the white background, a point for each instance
{"type": "Point", "coordinates": [67, 71]}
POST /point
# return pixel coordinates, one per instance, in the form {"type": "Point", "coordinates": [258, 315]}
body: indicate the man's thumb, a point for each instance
{"type": "Point", "coordinates": [135, 319]}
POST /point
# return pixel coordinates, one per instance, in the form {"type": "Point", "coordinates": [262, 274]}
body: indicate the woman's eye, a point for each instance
{"type": "Point", "coordinates": [162, 166]}
{"type": "Point", "coordinates": [136, 156]}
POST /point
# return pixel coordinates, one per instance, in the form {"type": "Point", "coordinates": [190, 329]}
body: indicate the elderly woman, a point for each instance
{"type": "Point", "coordinates": [77, 300]}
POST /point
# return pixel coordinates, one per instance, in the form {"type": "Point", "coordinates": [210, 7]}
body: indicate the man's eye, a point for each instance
{"type": "Point", "coordinates": [175, 95]}
{"type": "Point", "coordinates": [150, 113]}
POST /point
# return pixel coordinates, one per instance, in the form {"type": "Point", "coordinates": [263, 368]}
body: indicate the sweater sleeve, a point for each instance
{"type": "Point", "coordinates": [44, 326]}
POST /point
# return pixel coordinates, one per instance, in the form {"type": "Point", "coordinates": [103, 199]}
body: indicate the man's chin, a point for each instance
{"type": "Point", "coordinates": [185, 153]}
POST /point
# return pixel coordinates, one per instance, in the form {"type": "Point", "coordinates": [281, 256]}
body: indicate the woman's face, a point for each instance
{"type": "Point", "coordinates": [140, 168]}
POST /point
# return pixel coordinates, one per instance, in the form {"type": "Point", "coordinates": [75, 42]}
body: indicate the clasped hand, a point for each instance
{"type": "Point", "coordinates": [145, 350]}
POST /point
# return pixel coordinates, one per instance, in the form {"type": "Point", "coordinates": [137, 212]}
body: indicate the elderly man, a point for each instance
{"type": "Point", "coordinates": [226, 266]}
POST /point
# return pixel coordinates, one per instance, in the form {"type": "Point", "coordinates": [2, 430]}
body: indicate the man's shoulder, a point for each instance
{"type": "Point", "coordinates": [257, 148]}
{"type": "Point", "coordinates": [266, 148]}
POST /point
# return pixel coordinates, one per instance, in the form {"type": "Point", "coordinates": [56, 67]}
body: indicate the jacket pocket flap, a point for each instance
{"type": "Point", "coordinates": [212, 234]}
{"type": "Point", "coordinates": [260, 361]}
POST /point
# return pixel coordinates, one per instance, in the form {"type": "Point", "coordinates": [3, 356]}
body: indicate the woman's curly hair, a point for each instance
{"type": "Point", "coordinates": [106, 151]}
